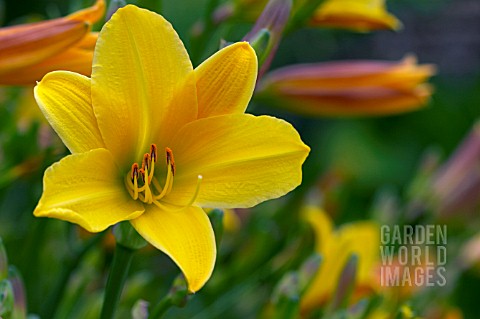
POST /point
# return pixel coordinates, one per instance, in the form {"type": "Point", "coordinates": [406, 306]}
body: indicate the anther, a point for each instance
{"type": "Point", "coordinates": [141, 172]}
{"type": "Point", "coordinates": [146, 162]}
{"type": "Point", "coordinates": [170, 160]}
{"type": "Point", "coordinates": [144, 186]}
{"type": "Point", "coordinates": [134, 174]}
{"type": "Point", "coordinates": [153, 152]}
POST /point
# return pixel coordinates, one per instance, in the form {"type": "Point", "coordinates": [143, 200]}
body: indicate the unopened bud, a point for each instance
{"type": "Point", "coordinates": [127, 236]}
{"type": "Point", "coordinates": [3, 262]}
{"type": "Point", "coordinates": [178, 292]}
{"type": "Point", "coordinates": [308, 270]}
{"type": "Point", "coordinates": [6, 299]}
{"type": "Point", "coordinates": [346, 283]}
{"type": "Point", "coordinates": [113, 7]}
{"type": "Point", "coordinates": [140, 310]}
{"type": "Point", "coordinates": [286, 296]}
{"type": "Point", "coordinates": [269, 28]}
{"type": "Point", "coordinates": [260, 42]}
{"type": "Point", "coordinates": [20, 305]}
{"type": "Point", "coordinates": [457, 184]}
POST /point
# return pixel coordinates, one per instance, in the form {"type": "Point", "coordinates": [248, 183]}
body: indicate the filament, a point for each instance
{"type": "Point", "coordinates": [143, 185]}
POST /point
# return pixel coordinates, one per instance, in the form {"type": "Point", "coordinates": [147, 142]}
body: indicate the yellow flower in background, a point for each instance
{"type": "Point", "coordinates": [356, 15]}
{"type": "Point", "coordinates": [153, 140]}
{"type": "Point", "coordinates": [230, 222]}
{"type": "Point", "coordinates": [335, 247]}
{"type": "Point", "coordinates": [349, 88]}
{"type": "Point", "coordinates": [29, 51]}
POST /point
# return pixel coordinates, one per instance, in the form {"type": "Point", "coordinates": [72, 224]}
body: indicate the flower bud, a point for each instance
{"type": "Point", "coordinates": [346, 283]}
{"type": "Point", "coordinates": [348, 88]}
{"type": "Point", "coordinates": [20, 305]}
{"type": "Point", "coordinates": [3, 261]}
{"type": "Point", "coordinates": [266, 33]}
{"type": "Point", "coordinates": [308, 271]}
{"type": "Point", "coordinates": [356, 15]}
{"type": "Point", "coordinates": [127, 236]}
{"type": "Point", "coordinates": [6, 299]}
{"type": "Point", "coordinates": [456, 185]}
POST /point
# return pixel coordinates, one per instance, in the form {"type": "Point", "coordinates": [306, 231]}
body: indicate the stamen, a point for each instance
{"type": "Point", "coordinates": [190, 202]}
{"type": "Point", "coordinates": [197, 190]}
{"type": "Point", "coordinates": [153, 152]}
{"type": "Point", "coordinates": [146, 162]}
{"type": "Point", "coordinates": [135, 180]}
{"type": "Point", "coordinates": [134, 172]}
{"type": "Point", "coordinates": [168, 183]}
{"type": "Point", "coordinates": [170, 160]}
{"type": "Point", "coordinates": [141, 171]}
{"type": "Point", "coordinates": [150, 191]}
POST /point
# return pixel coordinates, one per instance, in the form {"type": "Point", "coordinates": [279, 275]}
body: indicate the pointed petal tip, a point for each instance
{"type": "Point", "coordinates": [244, 45]}
{"type": "Point", "coordinates": [185, 236]}
{"type": "Point", "coordinates": [67, 215]}
{"type": "Point", "coordinates": [226, 80]}
{"type": "Point", "coordinates": [91, 14]}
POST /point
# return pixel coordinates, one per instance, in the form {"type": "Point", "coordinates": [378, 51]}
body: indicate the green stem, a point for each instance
{"type": "Point", "coordinates": [50, 306]}
{"type": "Point", "coordinates": [160, 308]}
{"type": "Point", "coordinates": [31, 257]}
{"type": "Point", "coordinates": [116, 279]}
{"type": "Point", "coordinates": [302, 15]}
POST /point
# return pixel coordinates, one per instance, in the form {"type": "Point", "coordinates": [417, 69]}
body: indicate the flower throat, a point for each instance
{"type": "Point", "coordinates": [143, 185]}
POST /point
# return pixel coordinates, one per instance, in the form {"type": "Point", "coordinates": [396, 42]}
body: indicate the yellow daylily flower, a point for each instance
{"type": "Point", "coordinates": [357, 15]}
{"type": "Point", "coordinates": [153, 140]}
{"type": "Point", "coordinates": [29, 51]}
{"type": "Point", "coordinates": [336, 246]}
{"type": "Point", "coordinates": [231, 221]}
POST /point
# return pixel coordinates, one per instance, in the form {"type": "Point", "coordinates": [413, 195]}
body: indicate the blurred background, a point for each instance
{"type": "Point", "coordinates": [363, 167]}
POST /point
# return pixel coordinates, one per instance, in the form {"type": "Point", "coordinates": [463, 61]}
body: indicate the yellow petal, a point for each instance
{"type": "Point", "coordinates": [139, 65]}
{"type": "Point", "coordinates": [361, 238]}
{"type": "Point", "coordinates": [243, 159]}
{"type": "Point", "coordinates": [231, 221]}
{"type": "Point", "coordinates": [321, 224]}
{"type": "Point", "coordinates": [21, 46]}
{"type": "Point", "coordinates": [64, 98]}
{"type": "Point", "coordinates": [226, 80]}
{"type": "Point", "coordinates": [186, 236]}
{"type": "Point", "coordinates": [87, 189]}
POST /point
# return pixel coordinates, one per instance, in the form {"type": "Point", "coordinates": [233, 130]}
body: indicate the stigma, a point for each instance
{"type": "Point", "coordinates": [143, 185]}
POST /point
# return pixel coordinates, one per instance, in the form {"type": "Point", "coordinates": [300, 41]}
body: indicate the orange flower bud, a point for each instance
{"type": "Point", "coordinates": [27, 52]}
{"type": "Point", "coordinates": [349, 88]}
